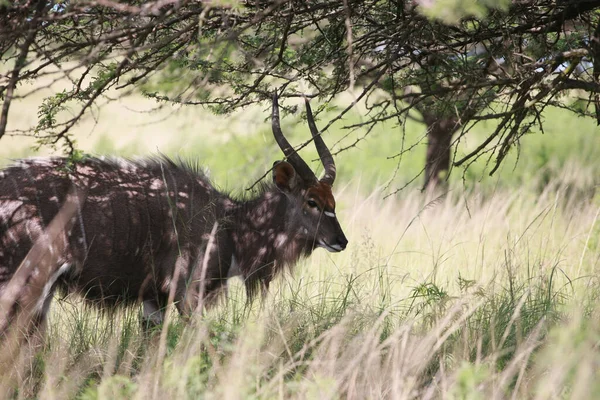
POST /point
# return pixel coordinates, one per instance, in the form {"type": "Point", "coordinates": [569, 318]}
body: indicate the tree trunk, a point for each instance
{"type": "Point", "coordinates": [439, 148]}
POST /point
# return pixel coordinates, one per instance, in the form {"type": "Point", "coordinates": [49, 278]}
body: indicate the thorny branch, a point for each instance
{"type": "Point", "coordinates": [507, 67]}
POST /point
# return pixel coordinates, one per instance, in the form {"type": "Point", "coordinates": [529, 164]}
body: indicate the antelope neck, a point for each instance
{"type": "Point", "coordinates": [261, 235]}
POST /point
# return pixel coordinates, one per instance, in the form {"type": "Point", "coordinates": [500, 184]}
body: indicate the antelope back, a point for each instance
{"type": "Point", "coordinates": [138, 220]}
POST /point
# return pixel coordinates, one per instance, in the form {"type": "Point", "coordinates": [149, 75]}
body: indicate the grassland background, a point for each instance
{"type": "Point", "coordinates": [488, 292]}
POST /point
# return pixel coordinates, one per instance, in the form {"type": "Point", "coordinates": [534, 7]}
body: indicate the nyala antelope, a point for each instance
{"type": "Point", "coordinates": [154, 228]}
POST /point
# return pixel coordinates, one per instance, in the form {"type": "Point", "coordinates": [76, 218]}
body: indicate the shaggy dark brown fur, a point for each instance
{"type": "Point", "coordinates": [145, 227]}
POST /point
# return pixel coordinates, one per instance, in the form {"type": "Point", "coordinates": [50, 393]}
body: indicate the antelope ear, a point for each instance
{"type": "Point", "coordinates": [285, 176]}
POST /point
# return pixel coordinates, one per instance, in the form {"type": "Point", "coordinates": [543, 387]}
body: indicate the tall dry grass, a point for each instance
{"type": "Point", "coordinates": [488, 292]}
{"type": "Point", "coordinates": [484, 295]}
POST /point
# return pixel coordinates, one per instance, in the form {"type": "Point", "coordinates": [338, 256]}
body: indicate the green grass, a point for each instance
{"type": "Point", "coordinates": [495, 300]}
{"type": "Point", "coordinates": [490, 292]}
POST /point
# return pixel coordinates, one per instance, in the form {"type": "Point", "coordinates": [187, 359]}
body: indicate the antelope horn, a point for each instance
{"type": "Point", "coordinates": [292, 156]}
{"type": "Point", "coordinates": [322, 149]}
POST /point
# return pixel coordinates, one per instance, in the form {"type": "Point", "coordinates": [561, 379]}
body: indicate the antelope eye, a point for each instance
{"type": "Point", "coordinates": [311, 203]}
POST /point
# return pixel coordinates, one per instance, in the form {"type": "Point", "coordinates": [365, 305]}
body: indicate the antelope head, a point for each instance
{"type": "Point", "coordinates": [311, 205]}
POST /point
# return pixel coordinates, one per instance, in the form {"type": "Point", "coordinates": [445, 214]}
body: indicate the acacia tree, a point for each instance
{"type": "Point", "coordinates": [507, 65]}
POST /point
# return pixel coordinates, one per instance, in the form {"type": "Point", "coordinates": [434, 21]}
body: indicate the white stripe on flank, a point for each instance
{"type": "Point", "coordinates": [234, 268]}
{"type": "Point", "coordinates": [48, 286]}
